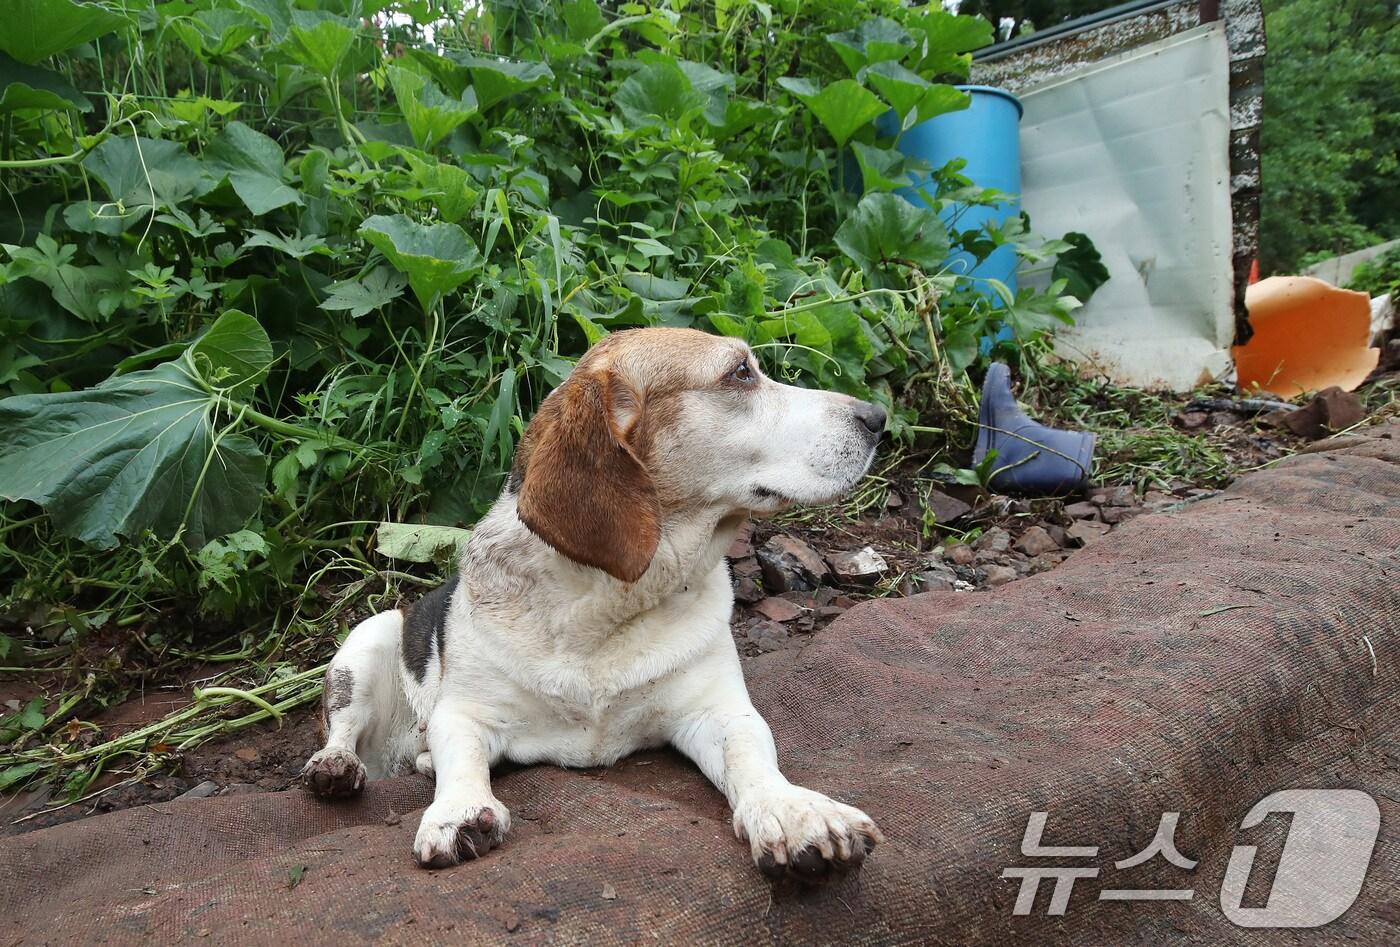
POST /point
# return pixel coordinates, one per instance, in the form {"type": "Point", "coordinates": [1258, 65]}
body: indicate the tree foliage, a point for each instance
{"type": "Point", "coordinates": [1331, 134]}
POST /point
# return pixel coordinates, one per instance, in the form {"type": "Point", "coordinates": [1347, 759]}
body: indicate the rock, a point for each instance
{"type": "Point", "coordinates": [741, 546]}
{"type": "Point", "coordinates": [768, 635]}
{"type": "Point", "coordinates": [1000, 575]}
{"type": "Point", "coordinates": [828, 612]}
{"type": "Point", "coordinates": [239, 789]}
{"type": "Point", "coordinates": [995, 541]}
{"type": "Point", "coordinates": [747, 590]}
{"type": "Point", "coordinates": [1083, 510]}
{"type": "Point", "coordinates": [779, 609]}
{"type": "Point", "coordinates": [1113, 496]}
{"type": "Point", "coordinates": [1330, 410]}
{"type": "Point", "coordinates": [1117, 514]}
{"type": "Point", "coordinates": [206, 788]}
{"type": "Point", "coordinates": [748, 566]}
{"type": "Point", "coordinates": [246, 753]}
{"type": "Point", "coordinates": [862, 567]}
{"type": "Point", "coordinates": [946, 508]}
{"type": "Point", "coordinates": [1223, 418]}
{"type": "Point", "coordinates": [1192, 420]}
{"type": "Point", "coordinates": [1059, 535]}
{"type": "Point", "coordinates": [1035, 541]}
{"type": "Point", "coordinates": [959, 555]}
{"type": "Point", "coordinates": [790, 565]}
{"type": "Point", "coordinates": [893, 500]}
{"type": "Point", "coordinates": [937, 579]}
{"type": "Point", "coordinates": [1087, 532]}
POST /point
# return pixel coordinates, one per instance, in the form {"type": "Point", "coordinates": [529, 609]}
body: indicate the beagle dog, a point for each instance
{"type": "Point", "coordinates": [590, 614]}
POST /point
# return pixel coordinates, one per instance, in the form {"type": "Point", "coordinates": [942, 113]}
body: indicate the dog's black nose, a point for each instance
{"type": "Point", "coordinates": [872, 416]}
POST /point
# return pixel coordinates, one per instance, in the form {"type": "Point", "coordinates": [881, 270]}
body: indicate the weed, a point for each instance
{"type": "Point", "coordinates": [277, 275]}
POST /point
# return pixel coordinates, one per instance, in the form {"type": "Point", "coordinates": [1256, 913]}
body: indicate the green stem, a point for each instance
{"type": "Point", "coordinates": [832, 301]}
{"type": "Point", "coordinates": [621, 23]}
{"type": "Point", "coordinates": [233, 692]}
{"type": "Point", "coordinates": [43, 162]}
{"type": "Point", "coordinates": [287, 429]}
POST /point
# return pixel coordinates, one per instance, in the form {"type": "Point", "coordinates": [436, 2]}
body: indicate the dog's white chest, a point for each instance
{"type": "Point", "coordinates": [596, 731]}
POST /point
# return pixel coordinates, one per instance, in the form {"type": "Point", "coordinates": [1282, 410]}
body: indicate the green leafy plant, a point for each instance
{"type": "Point", "coordinates": [275, 276]}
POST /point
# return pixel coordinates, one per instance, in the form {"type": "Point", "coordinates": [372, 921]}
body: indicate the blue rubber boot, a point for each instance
{"type": "Point", "coordinates": [1031, 458]}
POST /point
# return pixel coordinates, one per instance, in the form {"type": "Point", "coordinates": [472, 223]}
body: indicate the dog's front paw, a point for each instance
{"type": "Point", "coordinates": [448, 835]}
{"type": "Point", "coordinates": [334, 773]}
{"type": "Point", "coordinates": [795, 832]}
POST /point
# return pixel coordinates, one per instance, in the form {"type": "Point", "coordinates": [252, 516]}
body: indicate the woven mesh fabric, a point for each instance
{"type": "Point", "coordinates": [1106, 692]}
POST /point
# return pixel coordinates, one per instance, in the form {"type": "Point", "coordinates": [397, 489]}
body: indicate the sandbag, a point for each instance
{"type": "Point", "coordinates": [1194, 661]}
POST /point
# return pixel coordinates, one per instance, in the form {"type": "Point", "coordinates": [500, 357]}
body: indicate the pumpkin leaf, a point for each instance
{"type": "Point", "coordinates": [29, 87]}
{"type": "Point", "coordinates": [36, 29]}
{"type": "Point", "coordinates": [254, 164]}
{"type": "Point", "coordinates": [844, 107]}
{"type": "Point", "coordinates": [430, 114]}
{"type": "Point", "coordinates": [496, 79]}
{"type": "Point", "coordinates": [876, 40]}
{"type": "Point", "coordinates": [413, 542]}
{"type": "Point", "coordinates": [143, 451]}
{"type": "Point", "coordinates": [885, 229]}
{"type": "Point", "coordinates": [436, 258]}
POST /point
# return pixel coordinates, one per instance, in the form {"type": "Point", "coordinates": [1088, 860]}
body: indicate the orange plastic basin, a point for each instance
{"type": "Point", "coordinates": [1308, 335]}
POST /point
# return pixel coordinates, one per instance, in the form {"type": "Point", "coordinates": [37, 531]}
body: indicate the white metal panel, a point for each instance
{"type": "Point", "coordinates": [1134, 152]}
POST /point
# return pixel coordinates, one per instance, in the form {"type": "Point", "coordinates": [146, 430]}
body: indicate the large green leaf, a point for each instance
{"type": "Point", "coordinates": [322, 47]}
{"type": "Point", "coordinates": [143, 451]}
{"type": "Point", "coordinates": [254, 164]}
{"type": "Point", "coordinates": [881, 169]}
{"type": "Point", "coordinates": [36, 29]}
{"type": "Point", "coordinates": [876, 40]}
{"type": "Point", "coordinates": [419, 542]}
{"type": "Point", "coordinates": [659, 90]}
{"type": "Point", "coordinates": [950, 33]}
{"type": "Point", "coordinates": [947, 42]}
{"type": "Point", "coordinates": [210, 33]}
{"type": "Point", "coordinates": [234, 356]}
{"type": "Point", "coordinates": [430, 114]}
{"type": "Point", "coordinates": [139, 172]}
{"type": "Point", "coordinates": [29, 87]}
{"type": "Point", "coordinates": [436, 258]}
{"type": "Point", "coordinates": [886, 229]}
{"type": "Point", "coordinates": [940, 98]}
{"type": "Point", "coordinates": [844, 107]}
{"type": "Point", "coordinates": [495, 79]}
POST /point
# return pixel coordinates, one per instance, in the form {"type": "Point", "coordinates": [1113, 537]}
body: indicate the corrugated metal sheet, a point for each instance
{"type": "Point", "coordinates": [1134, 151]}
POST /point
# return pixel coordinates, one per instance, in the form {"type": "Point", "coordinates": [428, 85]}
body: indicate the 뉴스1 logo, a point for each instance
{"type": "Point", "coordinates": [1319, 875]}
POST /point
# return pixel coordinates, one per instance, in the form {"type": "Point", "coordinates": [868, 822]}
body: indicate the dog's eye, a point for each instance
{"type": "Point", "coordinates": [743, 373]}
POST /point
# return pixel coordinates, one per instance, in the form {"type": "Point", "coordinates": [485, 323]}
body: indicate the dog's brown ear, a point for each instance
{"type": "Point", "coordinates": [582, 488]}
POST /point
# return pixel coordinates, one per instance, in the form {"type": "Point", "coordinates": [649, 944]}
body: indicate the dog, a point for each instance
{"type": "Point", "coordinates": [590, 614]}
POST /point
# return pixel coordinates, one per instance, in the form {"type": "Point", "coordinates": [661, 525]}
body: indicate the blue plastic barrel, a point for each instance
{"type": "Point", "coordinates": [987, 134]}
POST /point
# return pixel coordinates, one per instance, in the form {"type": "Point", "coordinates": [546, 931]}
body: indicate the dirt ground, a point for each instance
{"type": "Point", "coordinates": [793, 576]}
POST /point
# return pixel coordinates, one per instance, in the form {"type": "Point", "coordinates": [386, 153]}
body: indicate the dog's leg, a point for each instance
{"type": "Point", "coordinates": [348, 706]}
{"type": "Point", "coordinates": [790, 830]}
{"type": "Point", "coordinates": [465, 820]}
